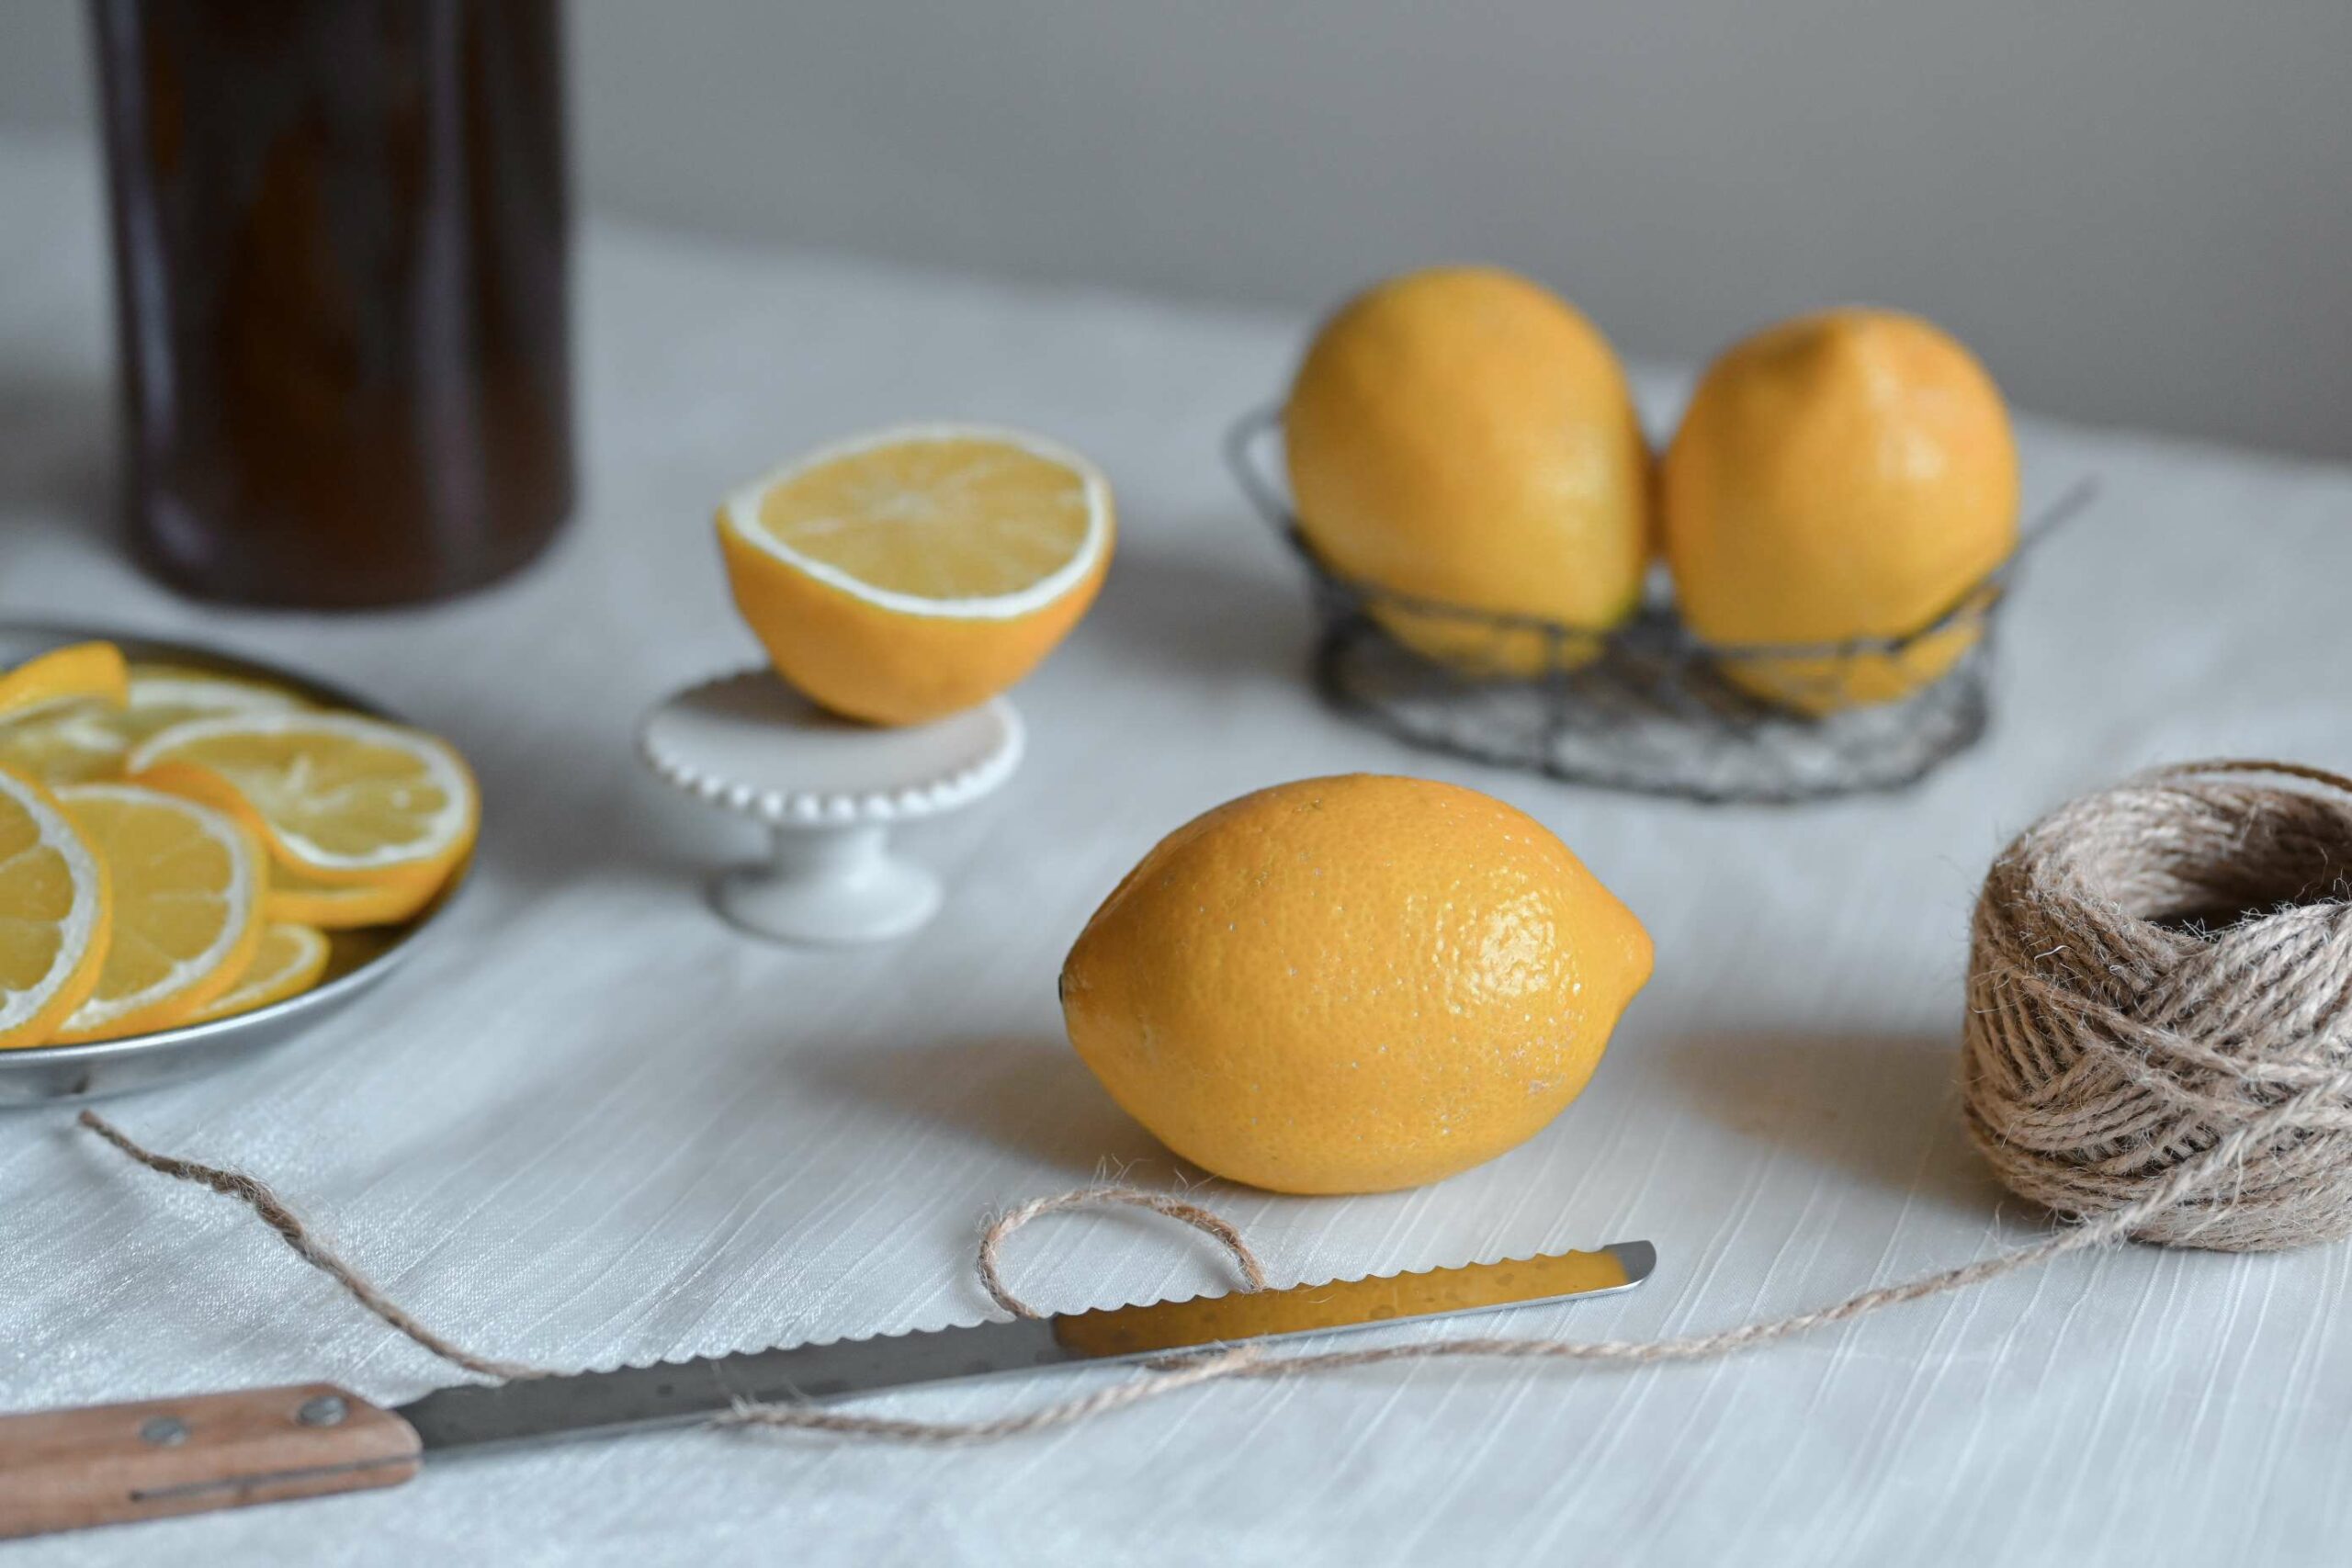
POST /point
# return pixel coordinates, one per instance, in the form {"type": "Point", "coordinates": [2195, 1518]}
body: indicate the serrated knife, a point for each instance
{"type": "Point", "coordinates": [113, 1463]}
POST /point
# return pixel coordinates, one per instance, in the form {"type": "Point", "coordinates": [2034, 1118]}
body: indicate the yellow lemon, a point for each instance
{"type": "Point", "coordinates": [60, 906]}
{"type": "Point", "coordinates": [339, 799]}
{"type": "Point", "coordinates": [909, 574]}
{"type": "Point", "coordinates": [75, 741]}
{"type": "Point", "coordinates": [287, 962]}
{"type": "Point", "coordinates": [1844, 475]}
{"type": "Point", "coordinates": [186, 885]}
{"type": "Point", "coordinates": [1464, 437]}
{"type": "Point", "coordinates": [1350, 985]}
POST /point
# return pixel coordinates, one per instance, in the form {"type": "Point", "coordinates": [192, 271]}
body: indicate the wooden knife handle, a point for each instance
{"type": "Point", "coordinates": [64, 1470]}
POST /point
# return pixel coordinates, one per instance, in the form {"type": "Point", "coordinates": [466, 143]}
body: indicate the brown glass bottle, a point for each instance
{"type": "Point", "coordinates": [342, 291]}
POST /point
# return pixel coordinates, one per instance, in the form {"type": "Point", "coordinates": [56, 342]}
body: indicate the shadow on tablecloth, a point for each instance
{"type": "Point", "coordinates": [1029, 1097]}
{"type": "Point", "coordinates": [1881, 1109]}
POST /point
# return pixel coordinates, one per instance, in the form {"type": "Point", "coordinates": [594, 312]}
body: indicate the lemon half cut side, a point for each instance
{"type": "Point", "coordinates": [908, 574]}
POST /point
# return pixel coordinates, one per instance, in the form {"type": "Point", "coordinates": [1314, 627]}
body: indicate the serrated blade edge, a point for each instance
{"type": "Point", "coordinates": [695, 1389]}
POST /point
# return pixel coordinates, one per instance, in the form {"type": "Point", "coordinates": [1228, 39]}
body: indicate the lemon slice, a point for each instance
{"type": "Point", "coordinates": [165, 695]}
{"type": "Point", "coordinates": [66, 742]}
{"type": "Point", "coordinates": [75, 742]}
{"type": "Point", "coordinates": [84, 670]}
{"type": "Point", "coordinates": [909, 574]}
{"type": "Point", "coordinates": [58, 913]}
{"type": "Point", "coordinates": [287, 962]}
{"type": "Point", "coordinates": [187, 884]}
{"type": "Point", "coordinates": [295, 897]}
{"type": "Point", "coordinates": [338, 798]}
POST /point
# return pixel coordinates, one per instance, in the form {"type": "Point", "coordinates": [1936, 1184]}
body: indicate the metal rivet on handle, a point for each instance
{"type": "Point", "coordinates": [324, 1410]}
{"type": "Point", "coordinates": [163, 1431]}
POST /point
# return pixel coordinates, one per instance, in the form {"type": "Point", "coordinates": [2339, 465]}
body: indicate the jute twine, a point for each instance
{"type": "Point", "coordinates": [2159, 983]}
{"type": "Point", "coordinates": [2156, 1046]}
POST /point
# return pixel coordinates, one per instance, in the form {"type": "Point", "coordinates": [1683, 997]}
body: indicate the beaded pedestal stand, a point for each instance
{"type": "Point", "coordinates": [829, 791]}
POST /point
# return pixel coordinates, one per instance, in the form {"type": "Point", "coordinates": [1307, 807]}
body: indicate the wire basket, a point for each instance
{"type": "Point", "coordinates": [1643, 706]}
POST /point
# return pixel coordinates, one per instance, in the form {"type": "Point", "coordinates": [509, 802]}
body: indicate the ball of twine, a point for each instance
{"type": "Point", "coordinates": [2159, 1027]}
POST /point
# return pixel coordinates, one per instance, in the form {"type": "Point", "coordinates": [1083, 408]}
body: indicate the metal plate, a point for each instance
{"type": "Point", "coordinates": [50, 1075]}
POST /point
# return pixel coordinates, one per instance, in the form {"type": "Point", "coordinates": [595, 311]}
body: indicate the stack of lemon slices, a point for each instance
{"type": "Point", "coordinates": [176, 845]}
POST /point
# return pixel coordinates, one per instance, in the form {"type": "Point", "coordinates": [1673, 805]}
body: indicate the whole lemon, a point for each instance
{"type": "Point", "coordinates": [1464, 437]}
{"type": "Point", "coordinates": [1351, 985]}
{"type": "Point", "coordinates": [1842, 476]}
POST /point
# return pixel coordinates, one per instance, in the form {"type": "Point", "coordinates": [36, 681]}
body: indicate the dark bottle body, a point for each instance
{"type": "Point", "coordinates": [342, 287]}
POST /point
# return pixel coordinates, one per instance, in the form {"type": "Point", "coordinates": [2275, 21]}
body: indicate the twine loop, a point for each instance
{"type": "Point", "coordinates": [2160, 1008]}
{"type": "Point", "coordinates": [992, 1238]}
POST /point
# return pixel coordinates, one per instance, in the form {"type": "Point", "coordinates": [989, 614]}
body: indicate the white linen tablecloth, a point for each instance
{"type": "Point", "coordinates": [593, 1124]}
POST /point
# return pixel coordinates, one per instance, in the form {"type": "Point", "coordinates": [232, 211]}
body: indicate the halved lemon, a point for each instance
{"type": "Point", "coordinates": [187, 884]}
{"type": "Point", "coordinates": [339, 799]}
{"type": "Point", "coordinates": [75, 742]}
{"type": "Point", "coordinates": [295, 897]}
{"type": "Point", "coordinates": [908, 574]}
{"type": "Point", "coordinates": [59, 914]}
{"type": "Point", "coordinates": [83, 669]}
{"type": "Point", "coordinates": [287, 961]}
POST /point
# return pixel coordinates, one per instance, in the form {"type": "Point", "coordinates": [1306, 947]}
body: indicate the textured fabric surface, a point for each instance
{"type": "Point", "coordinates": [594, 1125]}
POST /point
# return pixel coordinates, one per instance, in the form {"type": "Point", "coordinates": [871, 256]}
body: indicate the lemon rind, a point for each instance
{"type": "Point", "coordinates": [107, 652]}
{"type": "Point", "coordinates": [317, 948]}
{"type": "Point", "coordinates": [57, 831]}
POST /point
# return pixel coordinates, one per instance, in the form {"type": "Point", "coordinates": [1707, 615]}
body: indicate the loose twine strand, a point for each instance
{"type": "Point", "coordinates": [255, 1195]}
{"type": "Point", "coordinates": [2128, 1068]}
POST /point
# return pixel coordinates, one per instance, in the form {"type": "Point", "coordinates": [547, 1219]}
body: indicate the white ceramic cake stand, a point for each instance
{"type": "Point", "coordinates": [829, 791]}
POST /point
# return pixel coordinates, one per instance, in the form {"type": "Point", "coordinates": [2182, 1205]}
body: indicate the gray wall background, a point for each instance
{"type": "Point", "coordinates": [2138, 212]}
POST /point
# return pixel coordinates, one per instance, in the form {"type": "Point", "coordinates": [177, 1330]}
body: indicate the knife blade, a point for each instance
{"type": "Point", "coordinates": [665, 1393]}
{"type": "Point", "coordinates": [65, 1469]}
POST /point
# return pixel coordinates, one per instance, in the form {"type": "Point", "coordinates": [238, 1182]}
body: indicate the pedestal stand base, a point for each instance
{"type": "Point", "coordinates": [829, 792]}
